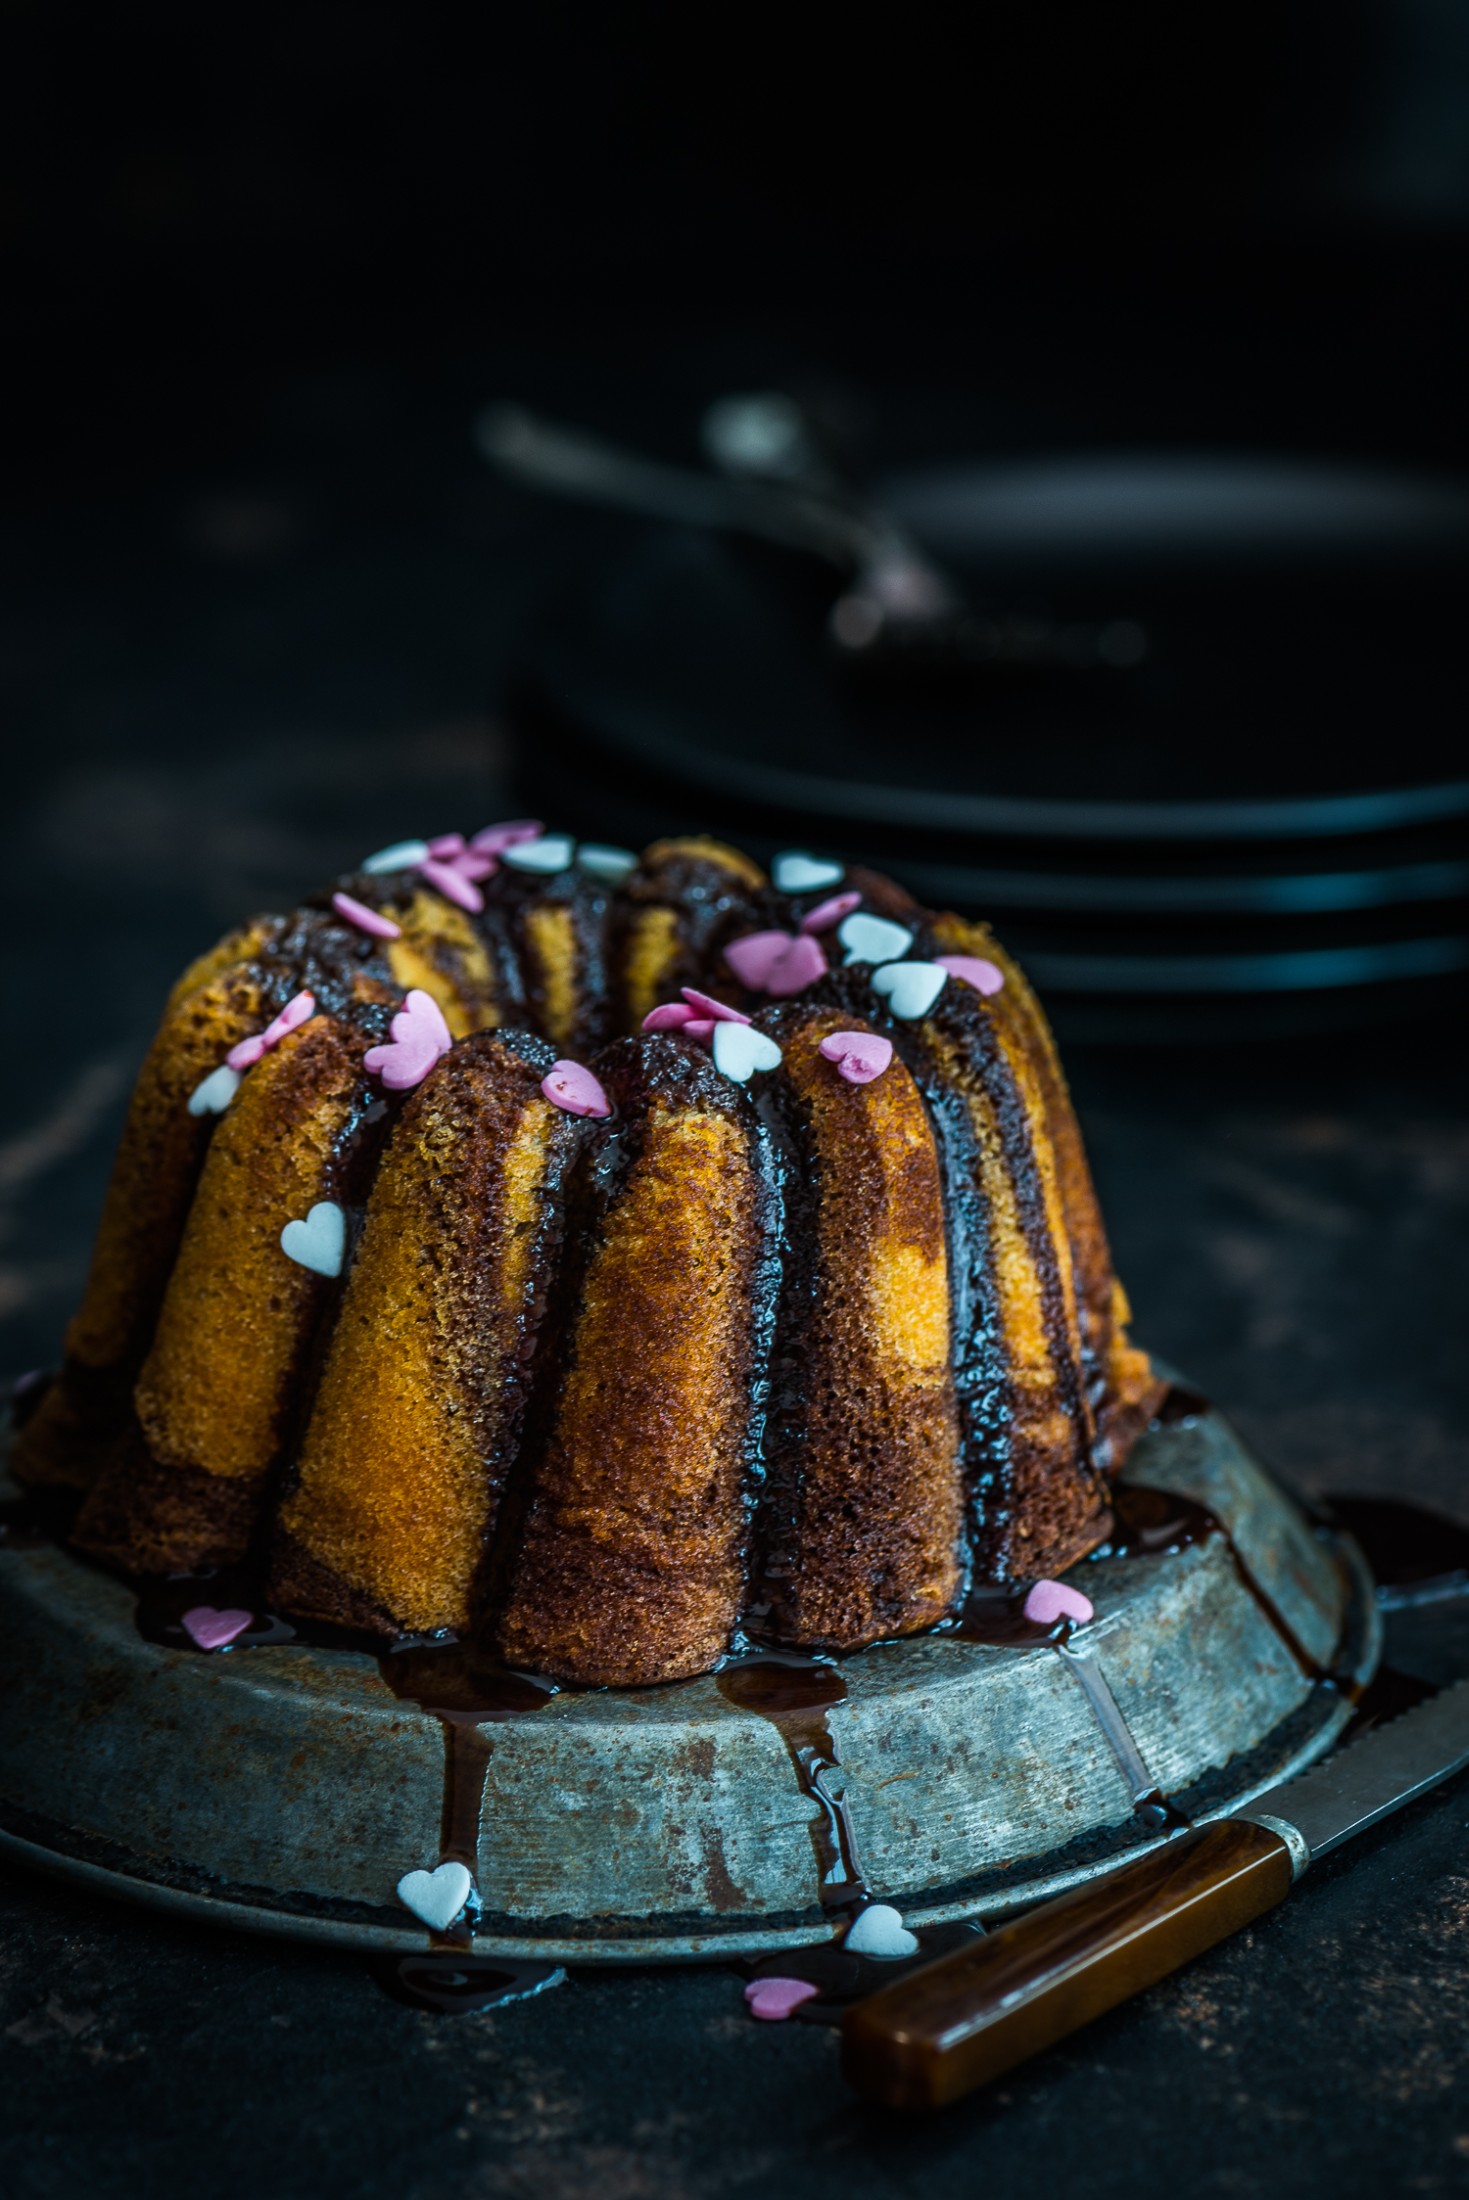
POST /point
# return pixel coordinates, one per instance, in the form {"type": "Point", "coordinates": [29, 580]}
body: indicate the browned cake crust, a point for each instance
{"type": "Point", "coordinates": [73, 1433]}
{"type": "Point", "coordinates": [216, 1395]}
{"type": "Point", "coordinates": [629, 1561]}
{"type": "Point", "coordinates": [863, 1513]}
{"type": "Point", "coordinates": [429, 1370]}
{"type": "Point", "coordinates": [1037, 1497]}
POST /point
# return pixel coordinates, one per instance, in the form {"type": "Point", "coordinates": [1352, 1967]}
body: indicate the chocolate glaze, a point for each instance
{"type": "Point", "coordinates": [466, 1692]}
{"type": "Point", "coordinates": [459, 1986]}
{"type": "Point", "coordinates": [795, 1692]}
{"type": "Point", "coordinates": [841, 1977]}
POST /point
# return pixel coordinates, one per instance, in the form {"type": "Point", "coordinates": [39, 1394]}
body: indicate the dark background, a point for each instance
{"type": "Point", "coordinates": [260, 267]}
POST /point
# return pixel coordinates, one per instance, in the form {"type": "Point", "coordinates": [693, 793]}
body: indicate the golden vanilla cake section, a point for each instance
{"type": "Point", "coordinates": [864, 1510]}
{"type": "Point", "coordinates": [628, 1565]}
{"type": "Point", "coordinates": [415, 1427]}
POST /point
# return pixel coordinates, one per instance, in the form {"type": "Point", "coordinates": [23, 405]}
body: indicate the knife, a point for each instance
{"type": "Point", "coordinates": [937, 2033]}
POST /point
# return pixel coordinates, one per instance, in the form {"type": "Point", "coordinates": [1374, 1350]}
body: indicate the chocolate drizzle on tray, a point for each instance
{"type": "Point", "coordinates": [794, 1691]}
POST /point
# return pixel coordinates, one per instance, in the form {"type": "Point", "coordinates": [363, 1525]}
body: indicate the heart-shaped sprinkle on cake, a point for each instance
{"type": "Point", "coordinates": [436, 1897]}
{"type": "Point", "coordinates": [985, 977]}
{"type": "Point", "coordinates": [773, 1999]}
{"type": "Point", "coordinates": [366, 920]}
{"type": "Point", "coordinates": [703, 1004]}
{"type": "Point", "coordinates": [910, 988]}
{"type": "Point", "coordinates": [669, 1016]}
{"type": "Point", "coordinates": [568, 1085]}
{"type": "Point", "coordinates": [870, 939]}
{"type": "Point", "coordinates": [754, 957]}
{"type": "Point", "coordinates": [794, 873]}
{"type": "Point", "coordinates": [473, 864]}
{"type": "Point", "coordinates": [859, 1055]}
{"type": "Point", "coordinates": [420, 1037]}
{"type": "Point", "coordinates": [404, 855]}
{"type": "Point", "coordinates": [452, 884]}
{"type": "Point", "coordinates": [320, 1241]}
{"type": "Point", "coordinates": [828, 914]}
{"type": "Point", "coordinates": [296, 1012]}
{"type": "Point", "coordinates": [778, 963]}
{"type": "Point", "coordinates": [1049, 1601]}
{"type": "Point", "coordinates": [212, 1629]}
{"type": "Point", "coordinates": [493, 840]}
{"type": "Point", "coordinates": [548, 853]}
{"type": "Point", "coordinates": [739, 1050]}
{"type": "Point", "coordinates": [604, 862]}
{"type": "Point", "coordinates": [445, 846]}
{"type": "Point", "coordinates": [214, 1095]}
{"type": "Point", "coordinates": [879, 1931]}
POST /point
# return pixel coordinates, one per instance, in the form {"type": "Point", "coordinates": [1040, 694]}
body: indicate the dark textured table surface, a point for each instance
{"type": "Point", "coordinates": [220, 692]}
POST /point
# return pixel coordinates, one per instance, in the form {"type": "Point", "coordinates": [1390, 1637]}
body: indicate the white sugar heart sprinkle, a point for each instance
{"type": "Point", "coordinates": [606, 862]}
{"type": "Point", "coordinates": [873, 939]}
{"type": "Point", "coordinates": [798, 874]}
{"type": "Point", "coordinates": [879, 1931]}
{"type": "Point", "coordinates": [553, 852]}
{"type": "Point", "coordinates": [739, 1050]}
{"type": "Point", "coordinates": [436, 1897]}
{"type": "Point", "coordinates": [911, 988]}
{"type": "Point", "coordinates": [320, 1241]}
{"type": "Point", "coordinates": [404, 855]}
{"type": "Point", "coordinates": [216, 1092]}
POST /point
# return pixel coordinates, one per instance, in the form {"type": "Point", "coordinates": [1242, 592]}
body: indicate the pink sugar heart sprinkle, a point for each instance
{"type": "Point", "coordinates": [495, 839]}
{"type": "Point", "coordinates": [668, 1016]}
{"type": "Point", "coordinates": [1049, 1601]}
{"type": "Point", "coordinates": [706, 1005]}
{"type": "Point", "coordinates": [859, 1055]}
{"type": "Point", "coordinates": [366, 920]}
{"type": "Point", "coordinates": [828, 914]}
{"type": "Point", "coordinates": [774, 1999]}
{"type": "Point", "coordinates": [754, 957]}
{"type": "Point", "coordinates": [700, 1028]}
{"type": "Point", "coordinates": [420, 1037]}
{"type": "Point", "coordinates": [297, 1011]}
{"type": "Point", "coordinates": [985, 977]}
{"type": "Point", "coordinates": [452, 884]}
{"type": "Point", "coordinates": [447, 846]}
{"type": "Point", "coordinates": [802, 963]}
{"type": "Point", "coordinates": [212, 1629]}
{"type": "Point", "coordinates": [474, 865]}
{"type": "Point", "coordinates": [570, 1086]}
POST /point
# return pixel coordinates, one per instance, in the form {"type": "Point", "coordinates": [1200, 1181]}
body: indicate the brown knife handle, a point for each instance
{"type": "Point", "coordinates": [940, 2032]}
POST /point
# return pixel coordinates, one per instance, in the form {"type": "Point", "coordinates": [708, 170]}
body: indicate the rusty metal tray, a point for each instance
{"type": "Point", "coordinates": [287, 1790]}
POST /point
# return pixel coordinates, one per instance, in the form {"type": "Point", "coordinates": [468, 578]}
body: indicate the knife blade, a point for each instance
{"type": "Point", "coordinates": [939, 2032]}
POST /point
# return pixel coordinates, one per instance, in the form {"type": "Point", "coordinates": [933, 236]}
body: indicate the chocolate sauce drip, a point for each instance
{"type": "Point", "coordinates": [1149, 1523]}
{"type": "Point", "coordinates": [460, 1986]}
{"type": "Point", "coordinates": [466, 1692]}
{"type": "Point", "coordinates": [841, 1977]}
{"type": "Point", "coordinates": [997, 1618]}
{"type": "Point", "coordinates": [795, 1692]}
{"type": "Point", "coordinates": [1181, 1402]}
{"type": "Point", "coordinates": [1152, 1523]}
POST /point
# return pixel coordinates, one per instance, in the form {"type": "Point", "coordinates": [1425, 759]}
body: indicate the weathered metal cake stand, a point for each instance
{"type": "Point", "coordinates": [286, 1790]}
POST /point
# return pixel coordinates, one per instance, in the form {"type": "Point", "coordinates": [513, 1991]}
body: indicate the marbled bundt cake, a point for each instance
{"type": "Point", "coordinates": [602, 1258]}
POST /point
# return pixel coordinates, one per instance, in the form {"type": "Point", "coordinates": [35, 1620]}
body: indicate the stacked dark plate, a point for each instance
{"type": "Point", "coordinates": [1262, 827]}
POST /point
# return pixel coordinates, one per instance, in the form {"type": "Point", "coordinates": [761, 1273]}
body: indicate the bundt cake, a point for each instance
{"type": "Point", "coordinates": [605, 1259]}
